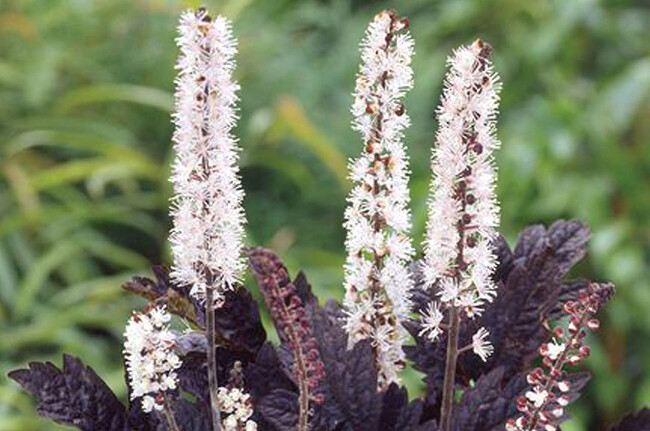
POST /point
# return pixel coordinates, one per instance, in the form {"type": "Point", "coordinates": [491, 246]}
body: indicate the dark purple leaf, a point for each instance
{"type": "Point", "coordinates": [238, 323]}
{"type": "Point", "coordinates": [267, 373]}
{"type": "Point", "coordinates": [280, 409]}
{"type": "Point", "coordinates": [637, 421]}
{"type": "Point", "coordinates": [73, 395]}
{"type": "Point", "coordinates": [397, 413]}
{"type": "Point", "coordinates": [193, 376]}
{"type": "Point", "coordinates": [479, 404]}
{"type": "Point", "coordinates": [192, 416]}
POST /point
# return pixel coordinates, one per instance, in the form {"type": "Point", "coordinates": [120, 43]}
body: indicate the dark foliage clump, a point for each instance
{"type": "Point", "coordinates": [532, 293]}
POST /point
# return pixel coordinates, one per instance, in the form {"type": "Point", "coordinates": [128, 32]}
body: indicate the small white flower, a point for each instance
{"type": "Point", "coordinates": [480, 345]}
{"type": "Point", "coordinates": [235, 394]}
{"type": "Point", "coordinates": [148, 403]}
{"type": "Point", "coordinates": [230, 423]}
{"type": "Point", "coordinates": [564, 386]}
{"type": "Point", "coordinates": [555, 349]}
{"type": "Point", "coordinates": [520, 422]}
{"type": "Point", "coordinates": [471, 304]}
{"type": "Point", "coordinates": [449, 292]}
{"type": "Point", "coordinates": [431, 320]}
{"type": "Point", "coordinates": [537, 396]}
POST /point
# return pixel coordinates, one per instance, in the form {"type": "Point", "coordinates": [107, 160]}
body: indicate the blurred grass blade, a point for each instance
{"type": "Point", "coordinates": [103, 93]}
{"type": "Point", "coordinates": [102, 129]}
{"type": "Point", "coordinates": [295, 122]}
{"type": "Point", "coordinates": [80, 170]}
{"type": "Point", "coordinates": [38, 274]}
{"type": "Point", "coordinates": [8, 277]}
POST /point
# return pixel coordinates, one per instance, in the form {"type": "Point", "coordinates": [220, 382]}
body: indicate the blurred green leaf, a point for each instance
{"type": "Point", "coordinates": [103, 93]}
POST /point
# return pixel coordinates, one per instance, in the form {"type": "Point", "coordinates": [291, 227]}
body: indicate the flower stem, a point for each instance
{"type": "Point", "coordinates": [300, 364]}
{"type": "Point", "coordinates": [450, 370]}
{"type": "Point", "coordinates": [303, 407]}
{"type": "Point", "coordinates": [169, 416]}
{"type": "Point", "coordinates": [212, 361]}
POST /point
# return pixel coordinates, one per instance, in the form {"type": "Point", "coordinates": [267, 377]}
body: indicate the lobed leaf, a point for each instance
{"type": "Point", "coordinates": [637, 421]}
{"type": "Point", "coordinates": [73, 395]}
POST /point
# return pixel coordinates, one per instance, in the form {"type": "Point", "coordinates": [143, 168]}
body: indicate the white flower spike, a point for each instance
{"type": "Point", "coordinates": [208, 231]}
{"type": "Point", "coordinates": [378, 220]}
{"type": "Point", "coordinates": [150, 358]}
{"type": "Point", "coordinates": [463, 211]}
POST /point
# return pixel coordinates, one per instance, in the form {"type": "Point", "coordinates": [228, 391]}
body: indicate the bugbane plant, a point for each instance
{"type": "Point", "coordinates": [207, 205]}
{"type": "Point", "coordinates": [378, 220]}
{"type": "Point", "coordinates": [337, 366]}
{"type": "Point", "coordinates": [463, 213]}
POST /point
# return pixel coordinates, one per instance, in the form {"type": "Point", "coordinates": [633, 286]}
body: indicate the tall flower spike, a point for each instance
{"type": "Point", "coordinates": [463, 210]}
{"type": "Point", "coordinates": [150, 358]}
{"type": "Point", "coordinates": [378, 220]}
{"type": "Point", "coordinates": [207, 207]}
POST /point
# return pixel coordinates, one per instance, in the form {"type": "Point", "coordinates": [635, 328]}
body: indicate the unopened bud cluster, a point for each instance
{"type": "Point", "coordinates": [378, 219]}
{"type": "Point", "coordinates": [543, 405]}
{"type": "Point", "coordinates": [463, 211]}
{"type": "Point", "coordinates": [150, 358]}
{"type": "Point", "coordinates": [289, 315]}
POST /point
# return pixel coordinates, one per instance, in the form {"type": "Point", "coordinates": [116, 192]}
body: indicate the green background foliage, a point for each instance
{"type": "Point", "coordinates": [85, 99]}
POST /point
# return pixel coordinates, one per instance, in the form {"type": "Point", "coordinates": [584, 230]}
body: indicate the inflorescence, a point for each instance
{"type": "Point", "coordinates": [542, 407]}
{"type": "Point", "coordinates": [207, 207]}
{"type": "Point", "coordinates": [378, 219]}
{"type": "Point", "coordinates": [289, 315]}
{"type": "Point", "coordinates": [150, 358]}
{"type": "Point", "coordinates": [463, 211]}
{"type": "Point", "coordinates": [235, 404]}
